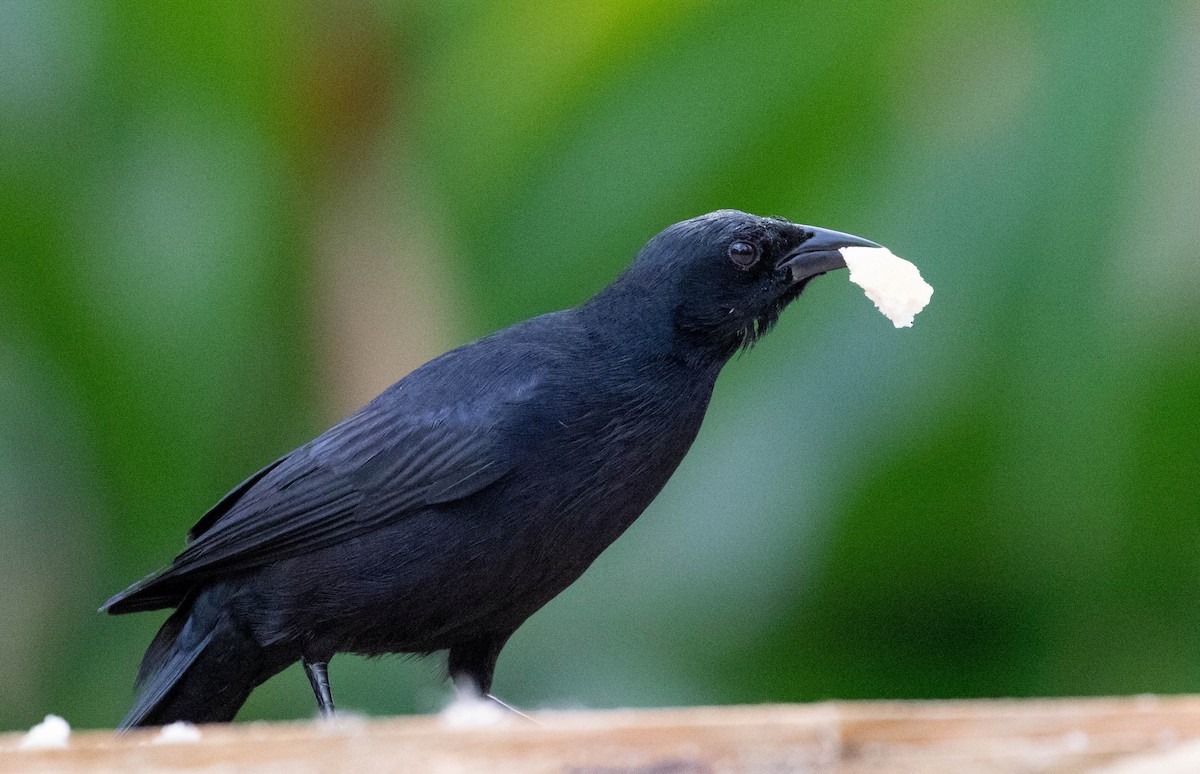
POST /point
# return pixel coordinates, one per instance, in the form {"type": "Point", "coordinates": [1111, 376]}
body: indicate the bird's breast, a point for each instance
{"type": "Point", "coordinates": [613, 455]}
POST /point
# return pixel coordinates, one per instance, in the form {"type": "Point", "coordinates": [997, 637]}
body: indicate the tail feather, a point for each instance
{"type": "Point", "coordinates": [200, 668]}
{"type": "Point", "coordinates": [154, 685]}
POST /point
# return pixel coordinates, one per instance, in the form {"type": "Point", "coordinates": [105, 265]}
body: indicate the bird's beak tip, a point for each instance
{"type": "Point", "coordinates": [821, 253]}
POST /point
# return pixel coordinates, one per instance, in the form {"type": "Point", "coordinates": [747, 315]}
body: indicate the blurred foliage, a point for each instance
{"type": "Point", "coordinates": [1002, 501]}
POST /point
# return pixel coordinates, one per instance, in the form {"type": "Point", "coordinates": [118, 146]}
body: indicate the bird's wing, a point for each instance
{"type": "Point", "coordinates": [366, 471]}
{"type": "Point", "coordinates": [232, 498]}
{"type": "Point", "coordinates": [373, 468]}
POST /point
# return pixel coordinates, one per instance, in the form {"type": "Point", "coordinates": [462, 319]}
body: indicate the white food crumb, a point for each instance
{"type": "Point", "coordinates": [893, 283]}
{"type": "Point", "coordinates": [53, 732]}
{"type": "Point", "coordinates": [467, 711]}
{"type": "Point", "coordinates": [1076, 741]}
{"type": "Point", "coordinates": [343, 721]}
{"type": "Point", "coordinates": [179, 732]}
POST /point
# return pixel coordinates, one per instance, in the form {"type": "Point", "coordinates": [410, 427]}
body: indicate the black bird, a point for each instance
{"type": "Point", "coordinates": [475, 489]}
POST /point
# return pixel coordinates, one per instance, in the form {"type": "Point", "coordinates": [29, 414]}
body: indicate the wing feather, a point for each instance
{"type": "Point", "coordinates": [375, 467]}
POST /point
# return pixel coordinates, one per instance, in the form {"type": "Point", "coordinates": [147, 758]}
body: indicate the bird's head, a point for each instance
{"type": "Point", "coordinates": [729, 274]}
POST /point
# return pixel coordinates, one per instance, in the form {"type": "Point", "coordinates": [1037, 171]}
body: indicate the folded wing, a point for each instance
{"type": "Point", "coordinates": [377, 466]}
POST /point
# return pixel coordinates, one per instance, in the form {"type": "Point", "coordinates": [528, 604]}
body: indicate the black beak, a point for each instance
{"type": "Point", "coordinates": [819, 253]}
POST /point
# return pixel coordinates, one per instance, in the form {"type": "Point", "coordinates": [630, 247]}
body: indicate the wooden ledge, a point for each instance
{"type": "Point", "coordinates": [1109, 735]}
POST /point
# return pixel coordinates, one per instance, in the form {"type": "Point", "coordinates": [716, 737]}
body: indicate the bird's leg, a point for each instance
{"type": "Point", "coordinates": [472, 664]}
{"type": "Point", "coordinates": [318, 677]}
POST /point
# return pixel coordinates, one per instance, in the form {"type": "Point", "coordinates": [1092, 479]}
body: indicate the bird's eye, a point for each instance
{"type": "Point", "coordinates": [744, 254]}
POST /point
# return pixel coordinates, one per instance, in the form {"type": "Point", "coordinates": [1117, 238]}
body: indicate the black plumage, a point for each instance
{"type": "Point", "coordinates": [471, 492]}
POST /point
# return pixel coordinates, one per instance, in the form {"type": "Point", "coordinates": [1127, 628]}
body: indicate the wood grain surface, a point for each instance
{"type": "Point", "coordinates": [1110, 735]}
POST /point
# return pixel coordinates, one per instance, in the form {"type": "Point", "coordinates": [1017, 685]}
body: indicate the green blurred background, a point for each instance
{"type": "Point", "coordinates": [225, 225]}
